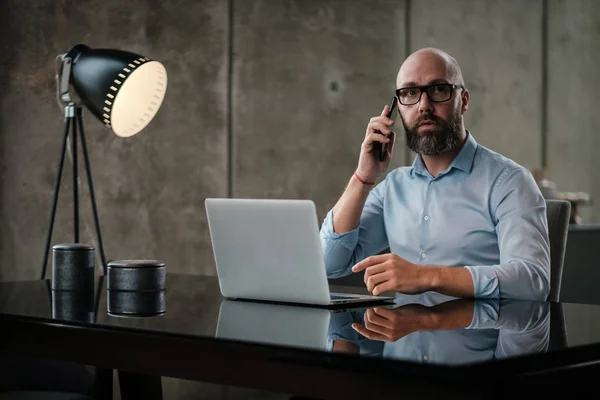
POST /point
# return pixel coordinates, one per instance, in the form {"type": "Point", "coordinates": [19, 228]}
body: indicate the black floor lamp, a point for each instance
{"type": "Point", "coordinates": [123, 90]}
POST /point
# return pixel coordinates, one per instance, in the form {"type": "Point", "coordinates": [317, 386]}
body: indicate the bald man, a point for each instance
{"type": "Point", "coordinates": [462, 220]}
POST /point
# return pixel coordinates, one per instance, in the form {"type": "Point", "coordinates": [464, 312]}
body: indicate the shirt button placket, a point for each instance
{"type": "Point", "coordinates": [424, 231]}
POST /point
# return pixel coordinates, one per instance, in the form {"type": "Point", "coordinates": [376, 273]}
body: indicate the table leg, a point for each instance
{"type": "Point", "coordinates": [139, 386]}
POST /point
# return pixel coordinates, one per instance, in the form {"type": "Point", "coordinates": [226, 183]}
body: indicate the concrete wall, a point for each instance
{"type": "Point", "coordinates": [307, 77]}
{"type": "Point", "coordinates": [497, 44]}
{"type": "Point", "coordinates": [573, 82]}
{"type": "Point", "coordinates": [270, 98]}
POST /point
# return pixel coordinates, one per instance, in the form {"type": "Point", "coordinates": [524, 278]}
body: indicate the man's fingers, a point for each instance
{"type": "Point", "coordinates": [380, 121]}
{"type": "Point", "coordinates": [384, 313]}
{"type": "Point", "coordinates": [374, 270]}
{"type": "Point", "coordinates": [372, 317]}
{"type": "Point", "coordinates": [374, 328]}
{"type": "Point", "coordinates": [374, 280]}
{"type": "Point", "coordinates": [385, 111]}
{"type": "Point", "coordinates": [392, 142]}
{"type": "Point", "coordinates": [384, 120]}
{"type": "Point", "coordinates": [369, 261]}
{"type": "Point", "coordinates": [368, 334]}
{"type": "Point", "coordinates": [384, 287]}
{"type": "Point", "coordinates": [376, 137]}
{"type": "Point", "coordinates": [381, 127]}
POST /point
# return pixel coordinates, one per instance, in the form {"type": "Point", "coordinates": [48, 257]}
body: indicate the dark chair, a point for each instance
{"type": "Point", "coordinates": [558, 213]}
{"type": "Point", "coordinates": [558, 328]}
{"type": "Point", "coordinates": [582, 270]}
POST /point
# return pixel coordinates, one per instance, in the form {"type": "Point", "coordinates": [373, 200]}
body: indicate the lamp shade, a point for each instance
{"type": "Point", "coordinates": [122, 89]}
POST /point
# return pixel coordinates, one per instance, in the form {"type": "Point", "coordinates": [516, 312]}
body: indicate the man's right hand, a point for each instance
{"type": "Point", "coordinates": [369, 166]}
{"type": "Point", "coordinates": [391, 325]}
{"type": "Point", "coordinates": [348, 209]}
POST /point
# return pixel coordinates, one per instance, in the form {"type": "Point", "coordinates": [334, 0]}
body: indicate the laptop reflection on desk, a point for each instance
{"type": "Point", "coordinates": [277, 324]}
{"type": "Point", "coordinates": [274, 324]}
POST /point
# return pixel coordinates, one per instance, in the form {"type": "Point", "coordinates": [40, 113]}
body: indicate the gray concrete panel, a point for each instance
{"type": "Point", "coordinates": [573, 81]}
{"type": "Point", "coordinates": [498, 46]}
{"type": "Point", "coordinates": [308, 76]}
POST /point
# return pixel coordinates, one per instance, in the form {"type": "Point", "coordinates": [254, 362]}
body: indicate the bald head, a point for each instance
{"type": "Point", "coordinates": [432, 119]}
{"type": "Point", "coordinates": [427, 65]}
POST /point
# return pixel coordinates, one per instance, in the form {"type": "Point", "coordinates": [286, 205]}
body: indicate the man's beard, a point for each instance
{"type": "Point", "coordinates": [443, 138]}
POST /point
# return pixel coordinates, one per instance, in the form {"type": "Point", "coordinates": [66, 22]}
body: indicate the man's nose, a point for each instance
{"type": "Point", "coordinates": [425, 105]}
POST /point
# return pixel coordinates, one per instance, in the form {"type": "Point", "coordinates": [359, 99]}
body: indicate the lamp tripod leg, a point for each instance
{"type": "Point", "coordinates": [55, 198]}
{"type": "Point", "coordinates": [92, 195]}
{"type": "Point", "coordinates": [75, 182]}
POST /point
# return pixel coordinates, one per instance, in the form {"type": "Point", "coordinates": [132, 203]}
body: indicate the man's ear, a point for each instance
{"type": "Point", "coordinates": [465, 101]}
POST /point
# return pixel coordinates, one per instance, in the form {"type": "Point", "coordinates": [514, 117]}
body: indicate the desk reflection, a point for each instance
{"type": "Point", "coordinates": [276, 324]}
{"type": "Point", "coordinates": [430, 328]}
{"type": "Point", "coordinates": [433, 328]}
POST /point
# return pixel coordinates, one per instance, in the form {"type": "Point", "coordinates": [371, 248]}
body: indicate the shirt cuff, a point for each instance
{"type": "Point", "coordinates": [485, 281]}
{"type": "Point", "coordinates": [485, 314]}
{"type": "Point", "coordinates": [340, 327]}
{"type": "Point", "coordinates": [346, 239]}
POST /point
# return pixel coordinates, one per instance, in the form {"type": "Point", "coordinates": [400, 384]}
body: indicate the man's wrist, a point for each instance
{"type": "Point", "coordinates": [363, 181]}
{"type": "Point", "coordinates": [433, 319]}
{"type": "Point", "coordinates": [365, 188]}
{"type": "Point", "coordinates": [452, 281]}
{"type": "Point", "coordinates": [430, 277]}
{"type": "Point", "coordinates": [365, 178]}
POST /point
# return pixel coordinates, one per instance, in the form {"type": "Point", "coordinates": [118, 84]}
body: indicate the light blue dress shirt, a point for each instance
{"type": "Point", "coordinates": [484, 213]}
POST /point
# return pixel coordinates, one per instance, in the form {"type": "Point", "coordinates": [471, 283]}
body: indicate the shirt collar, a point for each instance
{"type": "Point", "coordinates": [463, 160]}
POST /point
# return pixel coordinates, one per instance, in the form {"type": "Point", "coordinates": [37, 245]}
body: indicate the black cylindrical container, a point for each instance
{"type": "Point", "coordinates": [143, 304]}
{"type": "Point", "coordinates": [136, 275]}
{"type": "Point", "coordinates": [73, 305]}
{"type": "Point", "coordinates": [73, 267]}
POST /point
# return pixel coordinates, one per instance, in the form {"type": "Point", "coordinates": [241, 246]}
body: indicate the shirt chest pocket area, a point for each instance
{"type": "Point", "coordinates": [456, 224]}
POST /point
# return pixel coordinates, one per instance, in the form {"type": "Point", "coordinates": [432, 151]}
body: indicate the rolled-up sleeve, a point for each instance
{"type": "Point", "coordinates": [519, 212]}
{"type": "Point", "coordinates": [524, 326]}
{"type": "Point", "coordinates": [485, 314]}
{"type": "Point", "coordinates": [342, 251]}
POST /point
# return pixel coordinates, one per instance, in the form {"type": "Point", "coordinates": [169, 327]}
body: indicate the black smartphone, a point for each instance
{"type": "Point", "coordinates": [382, 148]}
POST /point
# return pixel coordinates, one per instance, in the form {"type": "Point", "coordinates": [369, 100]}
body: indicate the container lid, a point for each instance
{"type": "Point", "coordinates": [73, 247]}
{"type": "Point", "coordinates": [136, 264]}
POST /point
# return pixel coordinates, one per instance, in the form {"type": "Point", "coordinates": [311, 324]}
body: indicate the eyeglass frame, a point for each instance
{"type": "Point", "coordinates": [424, 89]}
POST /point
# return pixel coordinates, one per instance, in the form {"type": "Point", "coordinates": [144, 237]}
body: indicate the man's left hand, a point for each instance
{"type": "Point", "coordinates": [389, 272]}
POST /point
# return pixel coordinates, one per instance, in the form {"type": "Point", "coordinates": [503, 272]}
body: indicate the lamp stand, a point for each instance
{"type": "Point", "coordinates": [73, 116]}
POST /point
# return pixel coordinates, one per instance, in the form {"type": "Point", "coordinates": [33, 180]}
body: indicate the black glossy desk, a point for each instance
{"type": "Point", "coordinates": [422, 346]}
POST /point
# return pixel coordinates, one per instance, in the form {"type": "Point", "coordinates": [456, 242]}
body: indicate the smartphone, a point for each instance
{"type": "Point", "coordinates": [382, 147]}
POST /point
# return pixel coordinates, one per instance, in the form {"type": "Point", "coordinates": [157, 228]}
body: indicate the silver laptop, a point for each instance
{"type": "Point", "coordinates": [270, 250]}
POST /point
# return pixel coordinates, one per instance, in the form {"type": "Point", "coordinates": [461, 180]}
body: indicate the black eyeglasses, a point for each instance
{"type": "Point", "coordinates": [437, 93]}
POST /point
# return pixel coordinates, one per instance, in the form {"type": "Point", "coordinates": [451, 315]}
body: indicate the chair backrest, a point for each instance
{"type": "Point", "coordinates": [558, 213]}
